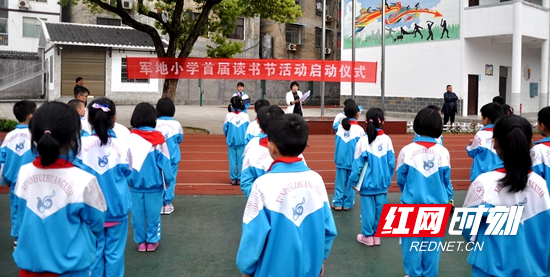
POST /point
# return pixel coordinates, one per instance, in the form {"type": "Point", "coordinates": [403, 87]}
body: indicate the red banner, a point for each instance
{"type": "Point", "coordinates": [251, 69]}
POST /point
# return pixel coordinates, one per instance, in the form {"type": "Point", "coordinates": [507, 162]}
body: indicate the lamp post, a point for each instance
{"type": "Point", "coordinates": [323, 39]}
{"type": "Point", "coordinates": [383, 58]}
{"type": "Point", "coordinates": [353, 45]}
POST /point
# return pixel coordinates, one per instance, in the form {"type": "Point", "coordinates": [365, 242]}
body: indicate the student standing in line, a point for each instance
{"type": "Point", "coordinates": [348, 134]}
{"type": "Point", "coordinates": [253, 129]}
{"type": "Point", "coordinates": [540, 152]}
{"type": "Point", "coordinates": [61, 208]}
{"type": "Point", "coordinates": [376, 149]}
{"type": "Point", "coordinates": [341, 115]}
{"type": "Point", "coordinates": [81, 110]}
{"type": "Point", "coordinates": [149, 161]}
{"type": "Point", "coordinates": [16, 152]}
{"type": "Point", "coordinates": [234, 127]}
{"type": "Point", "coordinates": [287, 230]}
{"type": "Point", "coordinates": [424, 177]}
{"type": "Point", "coordinates": [480, 148]}
{"type": "Point", "coordinates": [105, 156]}
{"type": "Point", "coordinates": [511, 184]}
{"type": "Point", "coordinates": [173, 133]}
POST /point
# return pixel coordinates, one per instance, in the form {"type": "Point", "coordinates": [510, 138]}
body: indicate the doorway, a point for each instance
{"type": "Point", "coordinates": [473, 86]}
{"type": "Point", "coordinates": [502, 81]}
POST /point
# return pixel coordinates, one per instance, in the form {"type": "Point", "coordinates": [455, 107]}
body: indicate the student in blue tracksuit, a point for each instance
{"type": "Point", "coordinates": [15, 152]}
{"type": "Point", "coordinates": [288, 228]}
{"type": "Point", "coordinates": [424, 177]}
{"type": "Point", "coordinates": [234, 128]}
{"type": "Point", "coordinates": [341, 115]}
{"type": "Point", "coordinates": [173, 133]}
{"type": "Point", "coordinates": [253, 129]}
{"type": "Point", "coordinates": [376, 149]}
{"type": "Point", "coordinates": [149, 160]}
{"type": "Point", "coordinates": [511, 183]}
{"type": "Point", "coordinates": [80, 108]}
{"type": "Point", "coordinates": [61, 208]}
{"type": "Point", "coordinates": [105, 156]}
{"type": "Point", "coordinates": [349, 132]}
{"type": "Point", "coordinates": [481, 147]}
{"type": "Point", "coordinates": [256, 159]}
{"type": "Point", "coordinates": [240, 93]}
{"type": "Point", "coordinates": [540, 153]}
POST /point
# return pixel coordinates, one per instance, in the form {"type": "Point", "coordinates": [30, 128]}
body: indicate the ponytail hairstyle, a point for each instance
{"type": "Point", "coordinates": [55, 128]}
{"type": "Point", "coordinates": [237, 103]}
{"type": "Point", "coordinates": [101, 113]}
{"type": "Point", "coordinates": [513, 136]}
{"type": "Point", "coordinates": [350, 110]}
{"type": "Point", "coordinates": [544, 119]}
{"type": "Point", "coordinates": [375, 117]}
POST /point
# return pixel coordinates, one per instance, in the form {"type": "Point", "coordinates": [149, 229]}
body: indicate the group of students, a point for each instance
{"type": "Point", "coordinates": [86, 181]}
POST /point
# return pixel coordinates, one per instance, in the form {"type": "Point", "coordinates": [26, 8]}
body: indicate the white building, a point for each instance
{"type": "Point", "coordinates": [19, 53]}
{"type": "Point", "coordinates": [489, 48]}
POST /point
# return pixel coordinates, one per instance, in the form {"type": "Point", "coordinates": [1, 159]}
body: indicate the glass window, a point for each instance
{"type": "Point", "coordinates": [319, 37]}
{"type": "Point", "coordinates": [124, 74]}
{"type": "Point", "coordinates": [31, 27]}
{"type": "Point", "coordinates": [3, 30]}
{"type": "Point", "coordinates": [3, 3]}
{"type": "Point", "coordinates": [294, 34]}
{"type": "Point", "coordinates": [238, 33]}
{"type": "Point", "coordinates": [109, 21]}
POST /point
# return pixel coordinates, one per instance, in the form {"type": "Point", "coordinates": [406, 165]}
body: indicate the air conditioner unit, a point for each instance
{"type": "Point", "coordinates": [329, 18]}
{"type": "Point", "coordinates": [328, 51]}
{"type": "Point", "coordinates": [127, 4]}
{"type": "Point", "coordinates": [292, 47]}
{"type": "Point", "coordinates": [24, 4]}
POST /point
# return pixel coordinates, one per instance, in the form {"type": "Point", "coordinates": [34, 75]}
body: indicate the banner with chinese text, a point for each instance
{"type": "Point", "coordinates": [251, 69]}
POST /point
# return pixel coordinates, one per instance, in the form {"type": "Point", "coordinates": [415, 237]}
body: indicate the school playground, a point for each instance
{"type": "Point", "coordinates": [202, 236]}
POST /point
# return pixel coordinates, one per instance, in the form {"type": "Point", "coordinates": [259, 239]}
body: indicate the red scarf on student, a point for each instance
{"type": "Point", "coordinates": [154, 137]}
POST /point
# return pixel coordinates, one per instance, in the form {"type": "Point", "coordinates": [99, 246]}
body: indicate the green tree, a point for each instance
{"type": "Point", "coordinates": [217, 19]}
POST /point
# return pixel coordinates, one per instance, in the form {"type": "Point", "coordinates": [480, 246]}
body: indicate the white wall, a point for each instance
{"type": "Point", "coordinates": [16, 41]}
{"type": "Point", "coordinates": [412, 70]}
{"type": "Point", "coordinates": [488, 21]}
{"type": "Point", "coordinates": [481, 51]}
{"type": "Point", "coordinates": [123, 93]}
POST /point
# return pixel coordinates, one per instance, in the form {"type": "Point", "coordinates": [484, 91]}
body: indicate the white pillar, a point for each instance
{"type": "Point", "coordinates": [543, 90]}
{"type": "Point", "coordinates": [546, 3]}
{"type": "Point", "coordinates": [517, 68]}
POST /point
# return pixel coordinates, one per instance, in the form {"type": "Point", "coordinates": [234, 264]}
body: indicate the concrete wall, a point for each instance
{"type": "Point", "coordinates": [21, 68]}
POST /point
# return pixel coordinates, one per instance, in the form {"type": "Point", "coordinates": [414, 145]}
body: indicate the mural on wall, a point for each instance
{"type": "Point", "coordinates": [406, 21]}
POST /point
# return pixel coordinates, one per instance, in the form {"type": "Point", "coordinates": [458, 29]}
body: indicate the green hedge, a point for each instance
{"type": "Point", "coordinates": [7, 125]}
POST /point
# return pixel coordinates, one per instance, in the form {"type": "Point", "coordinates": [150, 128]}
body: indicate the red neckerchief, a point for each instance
{"type": "Point", "coordinates": [353, 122]}
{"type": "Point", "coordinates": [380, 132]}
{"type": "Point", "coordinates": [503, 170]}
{"type": "Point", "coordinates": [154, 137]}
{"type": "Point", "coordinates": [287, 160]}
{"type": "Point", "coordinates": [236, 111]}
{"type": "Point", "coordinates": [426, 144]}
{"type": "Point", "coordinates": [547, 143]}
{"type": "Point", "coordinates": [59, 163]}
{"type": "Point", "coordinates": [263, 142]}
{"type": "Point", "coordinates": [26, 273]}
{"type": "Point", "coordinates": [488, 129]}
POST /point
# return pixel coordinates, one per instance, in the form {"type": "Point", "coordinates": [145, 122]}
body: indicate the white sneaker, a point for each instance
{"type": "Point", "coordinates": [168, 209]}
{"type": "Point", "coordinates": [162, 210]}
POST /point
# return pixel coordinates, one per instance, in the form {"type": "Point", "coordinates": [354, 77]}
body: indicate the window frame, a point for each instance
{"type": "Point", "coordinates": [124, 74]}
{"type": "Point", "coordinates": [36, 27]}
{"type": "Point", "coordinates": [238, 27]}
{"type": "Point", "coordinates": [298, 31]}
{"type": "Point", "coordinates": [329, 37]}
{"type": "Point", "coordinates": [4, 35]}
{"type": "Point", "coordinates": [108, 20]}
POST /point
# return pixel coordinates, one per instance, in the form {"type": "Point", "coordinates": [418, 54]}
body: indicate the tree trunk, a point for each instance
{"type": "Point", "coordinates": [169, 88]}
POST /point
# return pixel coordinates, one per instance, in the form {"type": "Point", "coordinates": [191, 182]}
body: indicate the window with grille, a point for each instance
{"type": "Point", "coordinates": [238, 33]}
{"type": "Point", "coordinates": [124, 74]}
{"type": "Point", "coordinates": [293, 34]}
{"type": "Point", "coordinates": [319, 37]}
{"type": "Point", "coordinates": [3, 27]}
{"type": "Point", "coordinates": [109, 21]}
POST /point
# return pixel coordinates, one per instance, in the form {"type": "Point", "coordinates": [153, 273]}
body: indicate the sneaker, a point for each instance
{"type": "Point", "coordinates": [14, 244]}
{"type": "Point", "coordinates": [142, 247]}
{"type": "Point", "coordinates": [238, 182]}
{"type": "Point", "coordinates": [337, 208]}
{"type": "Point", "coordinates": [233, 182]}
{"type": "Point", "coordinates": [368, 241]}
{"type": "Point", "coordinates": [162, 210]}
{"type": "Point", "coordinates": [168, 208]}
{"type": "Point", "coordinates": [376, 241]}
{"type": "Point", "coordinates": [152, 246]}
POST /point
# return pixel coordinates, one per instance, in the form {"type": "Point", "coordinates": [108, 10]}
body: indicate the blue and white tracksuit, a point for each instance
{"type": "Point", "coordinates": [337, 119]}
{"type": "Point", "coordinates": [374, 188]}
{"type": "Point", "coordinates": [173, 133]}
{"type": "Point", "coordinates": [424, 177]}
{"type": "Point", "coordinates": [253, 130]}
{"type": "Point", "coordinates": [109, 164]}
{"type": "Point", "coordinates": [482, 151]}
{"type": "Point", "coordinates": [540, 158]}
{"type": "Point", "coordinates": [234, 128]}
{"type": "Point", "coordinates": [439, 140]}
{"type": "Point", "coordinates": [149, 161]}
{"type": "Point", "coordinates": [344, 147]}
{"type": "Point", "coordinates": [121, 131]}
{"type": "Point", "coordinates": [14, 153]}
{"type": "Point", "coordinates": [288, 228]}
{"type": "Point", "coordinates": [85, 128]}
{"type": "Point", "coordinates": [523, 254]}
{"type": "Point", "coordinates": [245, 98]}
{"type": "Point", "coordinates": [61, 212]}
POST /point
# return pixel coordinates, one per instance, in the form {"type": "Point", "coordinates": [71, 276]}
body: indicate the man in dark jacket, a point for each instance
{"type": "Point", "coordinates": [450, 106]}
